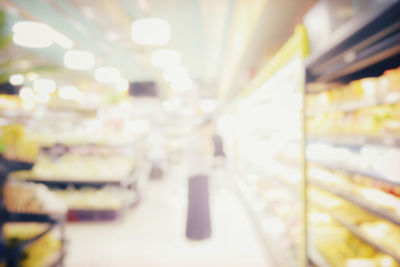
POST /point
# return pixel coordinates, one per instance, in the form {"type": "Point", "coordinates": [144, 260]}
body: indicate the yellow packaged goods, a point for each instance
{"type": "Point", "coordinates": [390, 80]}
{"type": "Point", "coordinates": [41, 252]}
{"type": "Point", "coordinates": [76, 167]}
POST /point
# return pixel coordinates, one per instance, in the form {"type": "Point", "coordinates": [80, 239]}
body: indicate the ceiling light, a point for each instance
{"type": "Point", "coordinates": [16, 79]}
{"type": "Point", "coordinates": [175, 73]}
{"type": "Point", "coordinates": [107, 74]}
{"type": "Point", "coordinates": [32, 34]}
{"type": "Point", "coordinates": [26, 93]}
{"type": "Point", "coordinates": [44, 86]}
{"type": "Point", "coordinates": [32, 76]}
{"type": "Point", "coordinates": [79, 60]}
{"type": "Point", "coordinates": [150, 31]}
{"type": "Point", "coordinates": [38, 35]}
{"type": "Point", "coordinates": [67, 92]}
{"type": "Point", "coordinates": [163, 58]}
{"type": "Point", "coordinates": [122, 85]}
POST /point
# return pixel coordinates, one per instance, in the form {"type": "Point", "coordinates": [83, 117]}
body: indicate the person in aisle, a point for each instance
{"type": "Point", "coordinates": [198, 225]}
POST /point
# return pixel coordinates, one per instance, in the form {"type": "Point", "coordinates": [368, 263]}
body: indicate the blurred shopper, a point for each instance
{"type": "Point", "coordinates": [198, 225]}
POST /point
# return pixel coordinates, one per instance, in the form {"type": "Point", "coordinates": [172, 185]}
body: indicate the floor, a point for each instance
{"type": "Point", "coordinates": [153, 233]}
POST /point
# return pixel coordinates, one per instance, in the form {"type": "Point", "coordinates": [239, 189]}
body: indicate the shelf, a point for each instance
{"type": "Point", "coordinates": [363, 41]}
{"type": "Point", "coordinates": [370, 56]}
{"type": "Point", "coordinates": [368, 206]}
{"type": "Point", "coordinates": [79, 182]}
{"type": "Point", "coordinates": [316, 257]}
{"type": "Point", "coordinates": [391, 98]}
{"type": "Point", "coordinates": [30, 217]}
{"type": "Point", "coordinates": [356, 141]}
{"type": "Point", "coordinates": [26, 243]}
{"type": "Point", "coordinates": [369, 173]}
{"type": "Point", "coordinates": [280, 257]}
{"type": "Point", "coordinates": [57, 260]}
{"type": "Point", "coordinates": [355, 230]}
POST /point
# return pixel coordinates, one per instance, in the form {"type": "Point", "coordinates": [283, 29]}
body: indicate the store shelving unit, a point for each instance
{"type": "Point", "coordinates": [365, 204]}
{"type": "Point", "coordinates": [350, 106]}
{"type": "Point", "coordinates": [355, 141]}
{"type": "Point", "coordinates": [355, 230]}
{"type": "Point", "coordinates": [365, 46]}
{"type": "Point", "coordinates": [12, 253]}
{"type": "Point", "coordinates": [270, 198]}
{"type": "Point", "coordinates": [61, 183]}
{"type": "Point", "coordinates": [356, 171]}
{"type": "Point", "coordinates": [250, 200]}
{"type": "Point", "coordinates": [367, 39]}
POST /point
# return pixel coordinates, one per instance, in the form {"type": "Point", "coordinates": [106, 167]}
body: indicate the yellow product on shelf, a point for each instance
{"type": "Point", "coordinates": [18, 145]}
{"type": "Point", "coordinates": [380, 198]}
{"type": "Point", "coordinates": [41, 252]}
{"type": "Point", "coordinates": [384, 233]}
{"type": "Point", "coordinates": [390, 80]}
{"type": "Point", "coordinates": [340, 247]}
{"type": "Point", "coordinates": [89, 168]}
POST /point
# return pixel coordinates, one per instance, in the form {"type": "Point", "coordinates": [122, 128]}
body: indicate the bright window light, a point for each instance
{"type": "Point", "coordinates": [38, 35]}
{"type": "Point", "coordinates": [79, 60]}
{"type": "Point", "coordinates": [26, 93]}
{"type": "Point", "coordinates": [150, 31]}
{"type": "Point", "coordinates": [107, 74]}
{"type": "Point", "coordinates": [68, 92]}
{"type": "Point", "coordinates": [164, 58]}
{"type": "Point", "coordinates": [182, 85]}
{"type": "Point", "coordinates": [16, 79]}
{"type": "Point", "coordinates": [122, 85]}
{"type": "Point", "coordinates": [175, 73]}
{"type": "Point", "coordinates": [44, 86]}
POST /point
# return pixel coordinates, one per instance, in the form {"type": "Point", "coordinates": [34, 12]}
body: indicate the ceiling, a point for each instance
{"type": "Point", "coordinates": [220, 41]}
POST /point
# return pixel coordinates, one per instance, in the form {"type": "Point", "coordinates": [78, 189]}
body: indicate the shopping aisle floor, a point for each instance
{"type": "Point", "coordinates": [153, 233]}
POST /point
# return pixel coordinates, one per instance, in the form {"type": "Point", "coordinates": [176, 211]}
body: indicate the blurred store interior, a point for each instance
{"type": "Point", "coordinates": [200, 133]}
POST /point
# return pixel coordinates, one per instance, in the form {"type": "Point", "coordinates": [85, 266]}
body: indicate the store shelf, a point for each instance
{"type": "Point", "coordinates": [57, 259]}
{"type": "Point", "coordinates": [355, 230]}
{"type": "Point", "coordinates": [355, 141]}
{"type": "Point", "coordinates": [354, 171]}
{"type": "Point", "coordinates": [366, 205]}
{"type": "Point", "coordinates": [29, 217]}
{"type": "Point", "coordinates": [58, 182]}
{"type": "Point", "coordinates": [370, 56]}
{"type": "Point", "coordinates": [316, 257]}
{"type": "Point", "coordinates": [363, 41]}
{"type": "Point", "coordinates": [279, 257]}
{"type": "Point", "coordinates": [391, 98]}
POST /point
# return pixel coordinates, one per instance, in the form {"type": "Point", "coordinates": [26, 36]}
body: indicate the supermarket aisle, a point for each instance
{"type": "Point", "coordinates": [153, 234]}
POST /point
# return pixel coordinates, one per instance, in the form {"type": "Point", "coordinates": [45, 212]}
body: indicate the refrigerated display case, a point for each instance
{"type": "Point", "coordinates": [318, 168]}
{"type": "Point", "coordinates": [352, 106]}
{"type": "Point", "coordinates": [267, 128]}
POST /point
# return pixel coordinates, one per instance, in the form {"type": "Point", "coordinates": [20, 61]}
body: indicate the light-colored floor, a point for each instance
{"type": "Point", "coordinates": [153, 233]}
